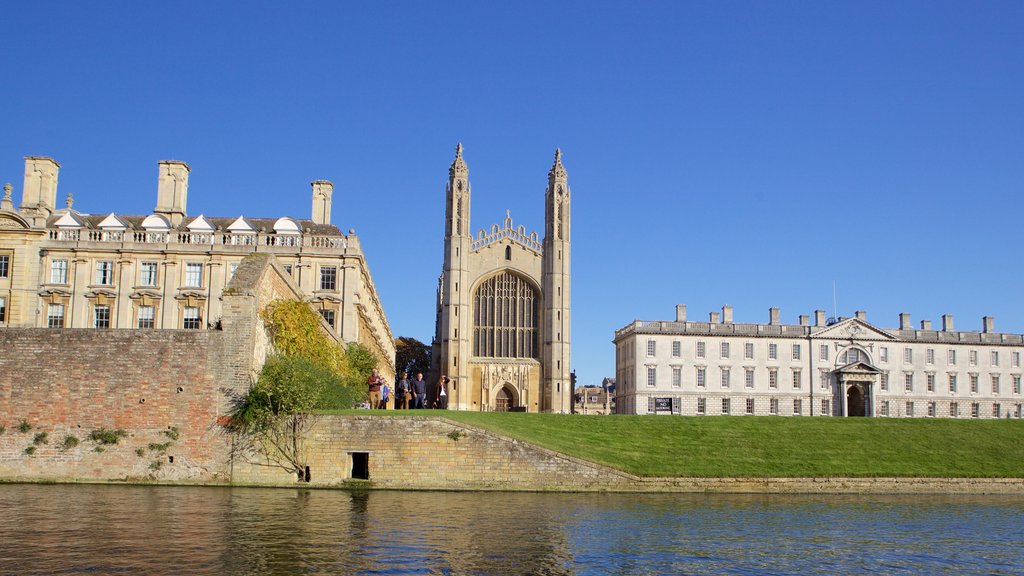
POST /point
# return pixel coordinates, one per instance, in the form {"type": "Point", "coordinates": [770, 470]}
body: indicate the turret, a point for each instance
{"type": "Point", "coordinates": [556, 390]}
{"type": "Point", "coordinates": [453, 330]}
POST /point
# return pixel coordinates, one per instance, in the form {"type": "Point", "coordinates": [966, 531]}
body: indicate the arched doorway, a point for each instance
{"type": "Point", "coordinates": [855, 400]}
{"type": "Point", "coordinates": [504, 400]}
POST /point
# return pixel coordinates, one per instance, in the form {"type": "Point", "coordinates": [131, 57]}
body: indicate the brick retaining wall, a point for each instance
{"type": "Point", "coordinates": [70, 382]}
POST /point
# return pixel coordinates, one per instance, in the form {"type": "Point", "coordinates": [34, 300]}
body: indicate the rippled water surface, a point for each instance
{"type": "Point", "coordinates": [169, 530]}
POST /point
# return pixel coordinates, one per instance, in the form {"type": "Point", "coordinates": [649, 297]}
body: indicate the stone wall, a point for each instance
{"type": "Point", "coordinates": [166, 389]}
{"type": "Point", "coordinates": [157, 385]}
{"type": "Point", "coordinates": [429, 452]}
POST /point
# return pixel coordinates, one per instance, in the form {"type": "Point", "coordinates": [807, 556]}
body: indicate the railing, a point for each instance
{"type": "Point", "coordinates": [794, 331]}
{"type": "Point", "coordinates": [173, 237]}
{"type": "Point", "coordinates": [518, 235]}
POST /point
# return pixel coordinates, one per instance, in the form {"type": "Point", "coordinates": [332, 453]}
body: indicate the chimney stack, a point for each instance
{"type": "Point", "coordinates": [680, 312]}
{"type": "Point", "coordinates": [322, 192]}
{"type": "Point", "coordinates": [713, 317]}
{"type": "Point", "coordinates": [819, 317]}
{"type": "Point", "coordinates": [39, 193]}
{"type": "Point", "coordinates": [926, 324]}
{"type": "Point", "coordinates": [905, 321]}
{"type": "Point", "coordinates": [861, 315]}
{"type": "Point", "coordinates": [172, 190]}
{"type": "Point", "coordinates": [805, 320]}
{"type": "Point", "coordinates": [727, 314]}
{"type": "Point", "coordinates": [947, 322]}
{"type": "Point", "coordinates": [988, 324]}
{"type": "Point", "coordinates": [773, 315]}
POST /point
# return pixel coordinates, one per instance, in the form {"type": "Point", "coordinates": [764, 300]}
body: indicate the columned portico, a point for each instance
{"type": "Point", "coordinates": [857, 383]}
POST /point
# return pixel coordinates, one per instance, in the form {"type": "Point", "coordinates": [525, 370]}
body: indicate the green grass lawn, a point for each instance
{"type": "Point", "coordinates": [750, 446]}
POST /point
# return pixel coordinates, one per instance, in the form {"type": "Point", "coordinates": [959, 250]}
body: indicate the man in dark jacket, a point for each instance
{"type": "Point", "coordinates": [419, 389]}
{"type": "Point", "coordinates": [402, 392]}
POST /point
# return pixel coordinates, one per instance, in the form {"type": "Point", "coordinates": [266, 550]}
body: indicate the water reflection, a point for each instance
{"type": "Point", "coordinates": [165, 530]}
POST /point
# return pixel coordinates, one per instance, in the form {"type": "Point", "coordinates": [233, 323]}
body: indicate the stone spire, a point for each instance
{"type": "Point", "coordinates": [7, 203]}
{"type": "Point", "coordinates": [458, 165]}
{"type": "Point", "coordinates": [557, 170]}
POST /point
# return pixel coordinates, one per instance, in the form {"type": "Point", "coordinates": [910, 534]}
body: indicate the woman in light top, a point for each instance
{"type": "Point", "coordinates": [441, 398]}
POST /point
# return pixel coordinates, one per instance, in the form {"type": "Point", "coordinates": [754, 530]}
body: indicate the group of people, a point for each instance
{"type": "Point", "coordinates": [407, 393]}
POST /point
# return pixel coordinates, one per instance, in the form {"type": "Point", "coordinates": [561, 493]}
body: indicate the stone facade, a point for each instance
{"type": "Point", "coordinates": [502, 329]}
{"type": "Point", "coordinates": [166, 389]}
{"type": "Point", "coordinates": [65, 269]}
{"type": "Point", "coordinates": [835, 367]}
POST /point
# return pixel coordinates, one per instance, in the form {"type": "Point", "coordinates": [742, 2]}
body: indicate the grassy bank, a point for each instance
{"type": "Point", "coordinates": [724, 446]}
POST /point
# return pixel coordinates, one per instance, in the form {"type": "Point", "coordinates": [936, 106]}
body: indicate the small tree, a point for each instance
{"type": "Point", "coordinates": [272, 420]}
{"type": "Point", "coordinates": [411, 355]}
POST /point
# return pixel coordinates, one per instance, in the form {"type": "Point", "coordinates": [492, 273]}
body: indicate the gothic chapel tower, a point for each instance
{"type": "Point", "coordinates": [556, 386]}
{"type": "Point", "coordinates": [453, 309]}
{"type": "Point", "coordinates": [502, 325]}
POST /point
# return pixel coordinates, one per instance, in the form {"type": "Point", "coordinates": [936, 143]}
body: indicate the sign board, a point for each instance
{"type": "Point", "coordinates": [662, 404]}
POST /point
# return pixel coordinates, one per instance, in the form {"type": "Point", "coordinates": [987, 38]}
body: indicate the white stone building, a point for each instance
{"type": "Point", "coordinates": [833, 367]}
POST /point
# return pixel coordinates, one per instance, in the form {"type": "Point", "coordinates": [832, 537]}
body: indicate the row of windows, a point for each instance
{"type": "Point", "coordinates": [750, 379]}
{"type": "Point", "coordinates": [191, 317]}
{"type": "Point", "coordinates": [725, 350]}
{"type": "Point", "coordinates": [104, 273]}
{"type": "Point", "coordinates": [887, 409]}
{"type": "Point", "coordinates": [726, 376]}
{"type": "Point", "coordinates": [849, 356]}
{"type": "Point", "coordinates": [952, 381]}
{"type": "Point", "coordinates": [773, 406]}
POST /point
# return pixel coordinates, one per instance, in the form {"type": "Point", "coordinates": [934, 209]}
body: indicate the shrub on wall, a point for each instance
{"type": "Point", "coordinates": [296, 332]}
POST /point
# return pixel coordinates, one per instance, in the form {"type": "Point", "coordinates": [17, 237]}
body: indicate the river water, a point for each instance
{"type": "Point", "coordinates": [67, 529]}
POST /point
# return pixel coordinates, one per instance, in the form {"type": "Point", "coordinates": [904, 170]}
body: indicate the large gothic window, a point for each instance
{"type": "Point", "coordinates": [505, 318]}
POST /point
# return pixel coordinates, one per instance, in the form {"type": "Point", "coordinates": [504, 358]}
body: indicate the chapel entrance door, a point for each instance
{"type": "Point", "coordinates": [855, 400]}
{"type": "Point", "coordinates": [503, 400]}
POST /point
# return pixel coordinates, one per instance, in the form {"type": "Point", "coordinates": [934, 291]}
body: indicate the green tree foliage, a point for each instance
{"type": "Point", "coordinates": [412, 356]}
{"type": "Point", "coordinates": [310, 372]}
{"type": "Point", "coordinates": [296, 330]}
{"type": "Point", "coordinates": [361, 362]}
{"type": "Point", "coordinates": [272, 420]}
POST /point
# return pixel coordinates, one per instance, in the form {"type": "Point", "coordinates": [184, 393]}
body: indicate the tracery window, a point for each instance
{"type": "Point", "coordinates": [505, 318]}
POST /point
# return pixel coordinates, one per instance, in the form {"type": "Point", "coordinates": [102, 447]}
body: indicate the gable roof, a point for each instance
{"type": "Point", "coordinates": [853, 328]}
{"type": "Point", "coordinates": [112, 221]}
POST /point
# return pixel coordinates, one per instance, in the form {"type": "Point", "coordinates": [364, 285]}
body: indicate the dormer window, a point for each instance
{"type": "Point", "coordinates": [242, 233]}
{"type": "Point", "coordinates": [156, 228]}
{"type": "Point", "coordinates": [200, 231]}
{"type": "Point", "coordinates": [286, 232]}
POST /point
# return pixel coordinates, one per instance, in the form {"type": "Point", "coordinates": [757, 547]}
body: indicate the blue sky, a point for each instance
{"type": "Point", "coordinates": [742, 153]}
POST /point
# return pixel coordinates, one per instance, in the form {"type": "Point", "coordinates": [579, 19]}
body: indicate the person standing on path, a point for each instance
{"type": "Point", "coordinates": [419, 389]}
{"type": "Point", "coordinates": [441, 400]}
{"type": "Point", "coordinates": [402, 392]}
{"type": "Point", "coordinates": [374, 382]}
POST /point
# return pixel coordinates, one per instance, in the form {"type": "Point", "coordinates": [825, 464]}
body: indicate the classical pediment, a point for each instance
{"type": "Point", "coordinates": [858, 368]}
{"type": "Point", "coordinates": [12, 221]}
{"type": "Point", "coordinates": [853, 329]}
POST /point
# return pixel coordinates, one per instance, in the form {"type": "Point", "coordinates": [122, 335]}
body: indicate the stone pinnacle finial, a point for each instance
{"type": "Point", "coordinates": [70, 200]}
{"type": "Point", "coordinates": [557, 170]}
{"type": "Point", "coordinates": [7, 203]}
{"type": "Point", "coordinates": [458, 165]}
